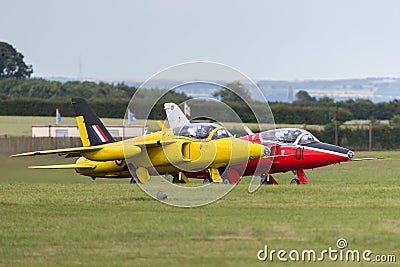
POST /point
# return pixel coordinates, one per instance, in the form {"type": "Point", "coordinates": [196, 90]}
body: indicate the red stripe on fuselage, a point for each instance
{"type": "Point", "coordinates": [101, 132]}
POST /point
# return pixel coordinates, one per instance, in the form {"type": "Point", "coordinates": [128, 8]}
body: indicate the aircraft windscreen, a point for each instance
{"type": "Point", "coordinates": [307, 139]}
{"type": "Point", "coordinates": [221, 133]}
{"type": "Point", "coordinates": [201, 131]}
{"type": "Point", "coordinates": [287, 135]}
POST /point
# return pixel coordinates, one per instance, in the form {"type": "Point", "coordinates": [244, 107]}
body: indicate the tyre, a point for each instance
{"type": "Point", "coordinates": [207, 180]}
{"type": "Point", "coordinates": [295, 181]}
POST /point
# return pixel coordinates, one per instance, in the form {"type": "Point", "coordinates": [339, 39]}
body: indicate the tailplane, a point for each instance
{"type": "Point", "coordinates": [91, 130]}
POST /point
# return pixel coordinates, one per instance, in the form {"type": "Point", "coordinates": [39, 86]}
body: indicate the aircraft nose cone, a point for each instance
{"type": "Point", "coordinates": [258, 151]}
{"type": "Point", "coordinates": [343, 152]}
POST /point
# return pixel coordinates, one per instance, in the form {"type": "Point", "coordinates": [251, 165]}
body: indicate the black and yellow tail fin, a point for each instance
{"type": "Point", "coordinates": [91, 130]}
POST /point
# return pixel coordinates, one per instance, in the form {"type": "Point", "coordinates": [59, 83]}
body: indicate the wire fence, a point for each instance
{"type": "Point", "coordinates": [362, 137]}
{"type": "Point", "coordinates": [356, 137]}
{"type": "Point", "coordinates": [12, 145]}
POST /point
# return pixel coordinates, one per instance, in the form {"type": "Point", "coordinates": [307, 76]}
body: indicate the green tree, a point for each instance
{"type": "Point", "coordinates": [304, 96]}
{"type": "Point", "coordinates": [395, 119]}
{"type": "Point", "coordinates": [233, 92]}
{"type": "Point", "coordinates": [362, 109]}
{"type": "Point", "coordinates": [326, 100]}
{"type": "Point", "coordinates": [12, 63]}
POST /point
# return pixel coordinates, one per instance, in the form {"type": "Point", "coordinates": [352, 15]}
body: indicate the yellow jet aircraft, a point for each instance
{"type": "Point", "coordinates": [202, 147]}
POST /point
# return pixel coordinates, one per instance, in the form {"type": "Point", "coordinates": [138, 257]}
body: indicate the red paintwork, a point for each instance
{"type": "Point", "coordinates": [302, 176]}
{"type": "Point", "coordinates": [284, 158]}
{"type": "Point", "coordinates": [298, 158]}
{"type": "Point", "coordinates": [272, 180]}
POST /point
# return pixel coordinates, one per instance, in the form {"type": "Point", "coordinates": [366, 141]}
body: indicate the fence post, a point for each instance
{"type": "Point", "coordinates": [370, 136]}
{"type": "Point", "coordinates": [336, 126]}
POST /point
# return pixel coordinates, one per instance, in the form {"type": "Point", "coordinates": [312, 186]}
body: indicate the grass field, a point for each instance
{"type": "Point", "coordinates": [21, 125]}
{"type": "Point", "coordinates": [58, 218]}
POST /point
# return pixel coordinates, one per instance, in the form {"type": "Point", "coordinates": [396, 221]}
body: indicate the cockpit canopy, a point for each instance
{"type": "Point", "coordinates": [202, 131]}
{"type": "Point", "coordinates": [288, 136]}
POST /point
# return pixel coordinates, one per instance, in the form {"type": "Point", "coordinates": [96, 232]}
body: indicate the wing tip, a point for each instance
{"type": "Point", "coordinates": [22, 155]}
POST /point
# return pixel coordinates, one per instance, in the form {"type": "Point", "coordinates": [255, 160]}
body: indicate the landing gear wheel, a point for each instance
{"type": "Point", "coordinates": [132, 170]}
{"type": "Point", "coordinates": [226, 181]}
{"type": "Point", "coordinates": [207, 180]}
{"type": "Point", "coordinates": [295, 181]}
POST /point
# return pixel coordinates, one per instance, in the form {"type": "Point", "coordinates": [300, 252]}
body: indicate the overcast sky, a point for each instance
{"type": "Point", "coordinates": [132, 40]}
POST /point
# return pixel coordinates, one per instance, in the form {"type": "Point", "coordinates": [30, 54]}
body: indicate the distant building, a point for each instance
{"type": "Point", "coordinates": [290, 94]}
{"type": "Point", "coordinates": [117, 131]}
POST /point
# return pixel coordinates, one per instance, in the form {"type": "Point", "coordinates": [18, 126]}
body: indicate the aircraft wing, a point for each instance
{"type": "Point", "coordinates": [115, 150]}
{"type": "Point", "coordinates": [62, 151]}
{"type": "Point", "coordinates": [63, 166]}
{"type": "Point", "coordinates": [152, 143]}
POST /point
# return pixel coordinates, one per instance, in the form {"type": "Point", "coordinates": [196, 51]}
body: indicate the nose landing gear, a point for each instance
{"type": "Point", "coordinates": [301, 177]}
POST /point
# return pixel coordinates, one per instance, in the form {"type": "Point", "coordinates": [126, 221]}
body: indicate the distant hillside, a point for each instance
{"type": "Point", "coordinates": [374, 89]}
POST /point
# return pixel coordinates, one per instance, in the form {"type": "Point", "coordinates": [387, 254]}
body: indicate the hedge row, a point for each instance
{"type": "Point", "coordinates": [42, 107]}
{"type": "Point", "coordinates": [383, 137]}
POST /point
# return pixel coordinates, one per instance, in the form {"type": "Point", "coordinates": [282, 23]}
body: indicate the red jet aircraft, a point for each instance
{"type": "Point", "coordinates": [295, 150]}
{"type": "Point", "coordinates": [292, 149]}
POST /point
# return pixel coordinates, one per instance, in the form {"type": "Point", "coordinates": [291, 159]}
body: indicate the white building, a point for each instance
{"type": "Point", "coordinates": [117, 131]}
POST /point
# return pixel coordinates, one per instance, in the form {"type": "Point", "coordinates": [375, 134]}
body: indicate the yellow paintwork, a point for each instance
{"type": "Point", "coordinates": [157, 153]}
{"type": "Point", "coordinates": [82, 131]}
{"type": "Point", "coordinates": [215, 175]}
{"type": "Point", "coordinates": [105, 169]}
{"type": "Point", "coordinates": [143, 175]}
{"type": "Point", "coordinates": [112, 151]}
{"type": "Point", "coordinates": [184, 178]}
{"type": "Point", "coordinates": [177, 154]}
{"type": "Point", "coordinates": [64, 166]}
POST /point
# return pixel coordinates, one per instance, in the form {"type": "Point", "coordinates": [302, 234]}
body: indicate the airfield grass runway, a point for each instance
{"type": "Point", "coordinates": [58, 218]}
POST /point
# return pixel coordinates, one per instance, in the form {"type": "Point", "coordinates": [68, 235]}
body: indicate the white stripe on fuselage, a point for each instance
{"type": "Point", "coordinates": [99, 134]}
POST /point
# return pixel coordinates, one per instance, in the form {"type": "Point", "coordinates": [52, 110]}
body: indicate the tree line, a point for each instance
{"type": "Point", "coordinates": [22, 95]}
{"type": "Point", "coordinates": [40, 97]}
{"type": "Point", "coordinates": [360, 109]}
{"type": "Point", "coordinates": [44, 89]}
{"type": "Point", "coordinates": [25, 96]}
